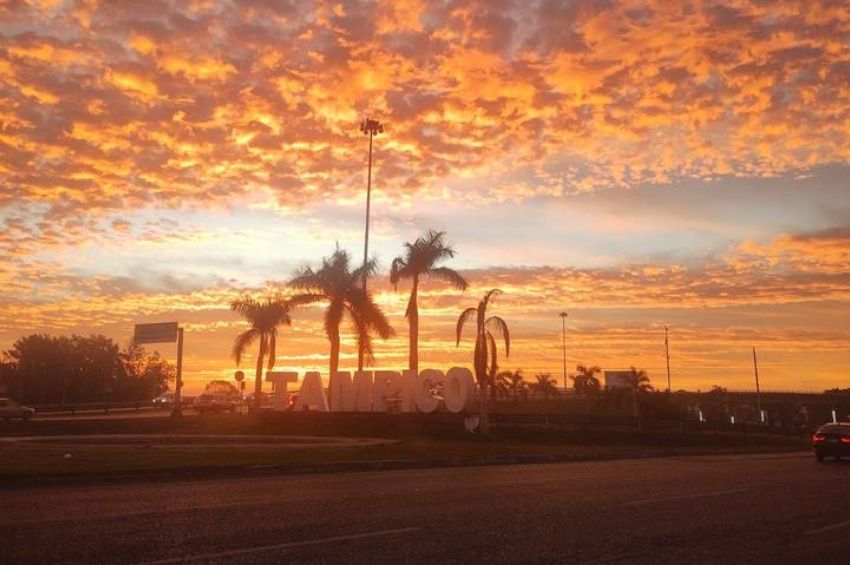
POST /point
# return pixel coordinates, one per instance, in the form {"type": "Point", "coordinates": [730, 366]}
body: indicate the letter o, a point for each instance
{"type": "Point", "coordinates": [427, 379]}
{"type": "Point", "coordinates": [458, 389]}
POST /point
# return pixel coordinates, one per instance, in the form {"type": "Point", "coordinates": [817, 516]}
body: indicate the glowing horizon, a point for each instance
{"type": "Point", "coordinates": [637, 164]}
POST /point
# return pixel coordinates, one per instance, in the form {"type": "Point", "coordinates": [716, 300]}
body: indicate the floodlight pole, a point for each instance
{"type": "Point", "coordinates": [563, 316]}
{"type": "Point", "coordinates": [371, 128]}
{"type": "Point", "coordinates": [667, 353]}
{"type": "Point", "coordinates": [758, 388]}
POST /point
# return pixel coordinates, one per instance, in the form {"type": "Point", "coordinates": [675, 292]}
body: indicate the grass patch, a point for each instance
{"type": "Point", "coordinates": [25, 460]}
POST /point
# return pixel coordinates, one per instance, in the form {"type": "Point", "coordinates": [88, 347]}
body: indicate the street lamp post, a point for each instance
{"type": "Point", "coordinates": [371, 128]}
{"type": "Point", "coordinates": [667, 354]}
{"type": "Point", "coordinates": [563, 316]}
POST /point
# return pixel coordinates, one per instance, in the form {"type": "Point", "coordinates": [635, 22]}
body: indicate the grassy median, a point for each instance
{"type": "Point", "coordinates": [164, 448]}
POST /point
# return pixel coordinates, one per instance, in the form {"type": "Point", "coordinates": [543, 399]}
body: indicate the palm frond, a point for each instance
{"type": "Point", "coordinates": [272, 348]}
{"type": "Point", "coordinates": [306, 298]}
{"type": "Point", "coordinates": [450, 276]}
{"type": "Point", "coordinates": [490, 294]}
{"type": "Point", "coordinates": [362, 335]}
{"type": "Point", "coordinates": [243, 341]}
{"type": "Point", "coordinates": [308, 279]}
{"type": "Point", "coordinates": [465, 316]}
{"type": "Point", "coordinates": [491, 350]}
{"type": "Point", "coordinates": [397, 271]}
{"type": "Point", "coordinates": [498, 326]}
{"type": "Point", "coordinates": [364, 305]}
{"type": "Point", "coordinates": [245, 306]}
{"type": "Point", "coordinates": [367, 270]}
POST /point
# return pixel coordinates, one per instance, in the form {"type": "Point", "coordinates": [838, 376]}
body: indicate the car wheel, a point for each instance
{"type": "Point", "coordinates": [819, 456]}
{"type": "Point", "coordinates": [26, 416]}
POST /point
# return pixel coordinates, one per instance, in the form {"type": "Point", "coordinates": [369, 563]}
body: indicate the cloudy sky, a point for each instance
{"type": "Point", "coordinates": [635, 163]}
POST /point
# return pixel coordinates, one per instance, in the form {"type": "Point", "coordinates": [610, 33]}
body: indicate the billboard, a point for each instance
{"type": "Point", "coordinates": [164, 332]}
{"type": "Point", "coordinates": [618, 379]}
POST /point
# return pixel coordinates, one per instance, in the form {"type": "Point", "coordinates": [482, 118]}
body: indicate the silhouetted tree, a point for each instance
{"type": "Point", "coordinates": [585, 380]}
{"type": "Point", "coordinates": [639, 385]}
{"type": "Point", "coordinates": [342, 289]}
{"type": "Point", "coordinates": [639, 380]}
{"type": "Point", "coordinates": [545, 385]}
{"type": "Point", "coordinates": [264, 317]}
{"type": "Point", "coordinates": [44, 369]}
{"type": "Point", "coordinates": [512, 385]}
{"type": "Point", "coordinates": [484, 355]}
{"type": "Point", "coordinates": [422, 258]}
{"type": "Point", "coordinates": [221, 387]}
{"type": "Point", "coordinates": [149, 374]}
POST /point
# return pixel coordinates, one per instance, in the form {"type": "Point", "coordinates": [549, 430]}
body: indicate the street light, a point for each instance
{"type": "Point", "coordinates": [563, 316]}
{"type": "Point", "coordinates": [371, 128]}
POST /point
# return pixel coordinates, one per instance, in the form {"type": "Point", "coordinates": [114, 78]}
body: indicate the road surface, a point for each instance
{"type": "Point", "coordinates": [764, 508]}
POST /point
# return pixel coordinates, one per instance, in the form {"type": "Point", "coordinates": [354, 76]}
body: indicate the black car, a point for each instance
{"type": "Point", "coordinates": [832, 440]}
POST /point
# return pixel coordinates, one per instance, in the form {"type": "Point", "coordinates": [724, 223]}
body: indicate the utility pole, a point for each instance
{"type": "Point", "coordinates": [667, 352]}
{"type": "Point", "coordinates": [563, 316]}
{"type": "Point", "coordinates": [758, 388]}
{"type": "Point", "coordinates": [371, 128]}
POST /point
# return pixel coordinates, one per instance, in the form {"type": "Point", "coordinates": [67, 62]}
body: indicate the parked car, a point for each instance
{"type": "Point", "coordinates": [832, 440]}
{"type": "Point", "coordinates": [164, 400]}
{"type": "Point", "coordinates": [10, 409]}
{"type": "Point", "coordinates": [265, 399]}
{"type": "Point", "coordinates": [215, 404]}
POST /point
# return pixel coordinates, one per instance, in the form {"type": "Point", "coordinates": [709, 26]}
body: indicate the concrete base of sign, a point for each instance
{"type": "Point", "coordinates": [379, 424]}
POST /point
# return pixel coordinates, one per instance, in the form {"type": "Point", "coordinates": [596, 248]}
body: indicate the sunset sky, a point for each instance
{"type": "Point", "coordinates": [633, 163]}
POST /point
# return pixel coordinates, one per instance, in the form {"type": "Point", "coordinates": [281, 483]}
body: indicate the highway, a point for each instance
{"type": "Point", "coordinates": [754, 508]}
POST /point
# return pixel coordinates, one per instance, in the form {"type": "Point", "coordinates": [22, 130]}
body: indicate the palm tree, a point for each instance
{"type": "Point", "coordinates": [586, 382]}
{"type": "Point", "coordinates": [421, 259]}
{"type": "Point", "coordinates": [265, 316]}
{"type": "Point", "coordinates": [512, 385]}
{"type": "Point", "coordinates": [545, 385]}
{"type": "Point", "coordinates": [343, 291]}
{"type": "Point", "coordinates": [639, 384]}
{"type": "Point", "coordinates": [485, 348]}
{"type": "Point", "coordinates": [639, 381]}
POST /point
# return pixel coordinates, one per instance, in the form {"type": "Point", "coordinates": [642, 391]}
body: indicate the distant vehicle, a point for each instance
{"type": "Point", "coordinates": [265, 398]}
{"type": "Point", "coordinates": [10, 409]}
{"type": "Point", "coordinates": [215, 404]}
{"type": "Point", "coordinates": [164, 400]}
{"type": "Point", "coordinates": [832, 440]}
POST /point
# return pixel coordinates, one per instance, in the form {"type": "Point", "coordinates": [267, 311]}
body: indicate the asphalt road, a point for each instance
{"type": "Point", "coordinates": [765, 508]}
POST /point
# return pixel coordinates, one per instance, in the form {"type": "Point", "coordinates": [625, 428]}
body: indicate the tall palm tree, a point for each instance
{"type": "Point", "coordinates": [485, 348]}
{"type": "Point", "coordinates": [545, 385]}
{"type": "Point", "coordinates": [421, 258]}
{"type": "Point", "coordinates": [265, 316]}
{"type": "Point", "coordinates": [342, 289]}
{"type": "Point", "coordinates": [586, 382]}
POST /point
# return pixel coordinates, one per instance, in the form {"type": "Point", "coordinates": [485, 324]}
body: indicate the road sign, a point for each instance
{"type": "Point", "coordinates": [165, 332]}
{"type": "Point", "coordinates": [239, 376]}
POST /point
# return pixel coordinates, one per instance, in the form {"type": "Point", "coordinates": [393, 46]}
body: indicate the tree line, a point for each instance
{"type": "Point", "coordinates": [45, 369]}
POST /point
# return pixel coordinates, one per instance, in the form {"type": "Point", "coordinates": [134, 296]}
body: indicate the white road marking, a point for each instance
{"type": "Point", "coordinates": [287, 545]}
{"type": "Point", "coordinates": [686, 496]}
{"type": "Point", "coordinates": [828, 528]}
